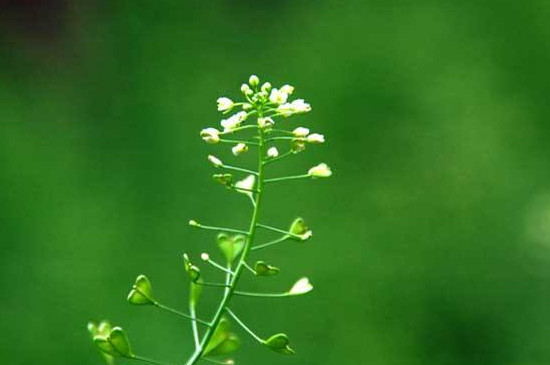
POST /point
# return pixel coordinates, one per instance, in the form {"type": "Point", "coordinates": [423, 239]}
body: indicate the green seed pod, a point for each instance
{"type": "Point", "coordinates": [263, 269]}
{"type": "Point", "coordinates": [279, 343]}
{"type": "Point", "coordinates": [115, 344]}
{"type": "Point", "coordinates": [231, 246]}
{"type": "Point", "coordinates": [224, 179]}
{"type": "Point", "coordinates": [193, 271]}
{"type": "Point", "coordinates": [141, 293]}
{"type": "Point", "coordinates": [299, 228]}
{"type": "Point", "coordinates": [222, 342]}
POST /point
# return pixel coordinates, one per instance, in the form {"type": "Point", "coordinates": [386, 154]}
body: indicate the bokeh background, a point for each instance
{"type": "Point", "coordinates": [432, 239]}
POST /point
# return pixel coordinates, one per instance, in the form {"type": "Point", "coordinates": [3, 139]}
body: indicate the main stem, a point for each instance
{"type": "Point", "coordinates": [228, 293]}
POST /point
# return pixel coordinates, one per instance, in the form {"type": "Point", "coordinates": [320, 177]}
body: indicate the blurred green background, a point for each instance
{"type": "Point", "coordinates": [432, 239]}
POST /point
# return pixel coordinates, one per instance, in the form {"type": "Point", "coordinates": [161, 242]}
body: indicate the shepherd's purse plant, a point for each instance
{"type": "Point", "coordinates": [258, 123]}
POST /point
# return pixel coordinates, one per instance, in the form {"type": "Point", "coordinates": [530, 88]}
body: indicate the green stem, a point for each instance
{"type": "Point", "coordinates": [238, 129]}
{"type": "Point", "coordinates": [245, 327]}
{"type": "Point", "coordinates": [228, 293]}
{"type": "Point", "coordinates": [181, 314]}
{"type": "Point", "coordinates": [235, 141]}
{"type": "Point", "coordinates": [150, 361]}
{"type": "Point", "coordinates": [278, 230]}
{"type": "Point", "coordinates": [262, 295]}
{"type": "Point", "coordinates": [295, 177]}
{"type": "Point", "coordinates": [264, 245]}
{"type": "Point", "coordinates": [286, 154]}
{"type": "Point", "coordinates": [223, 229]}
{"type": "Point", "coordinates": [235, 168]}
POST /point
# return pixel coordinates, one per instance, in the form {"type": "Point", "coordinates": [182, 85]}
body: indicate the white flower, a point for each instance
{"type": "Point", "coordinates": [302, 286]}
{"type": "Point", "coordinates": [239, 149]}
{"type": "Point", "coordinates": [210, 135]}
{"type": "Point", "coordinates": [265, 122]}
{"type": "Point", "coordinates": [233, 121]}
{"type": "Point", "coordinates": [246, 185]}
{"type": "Point", "coordinates": [272, 152]}
{"type": "Point", "coordinates": [321, 170]}
{"type": "Point", "coordinates": [316, 138]}
{"type": "Point", "coordinates": [253, 80]}
{"type": "Point", "coordinates": [300, 106]}
{"type": "Point", "coordinates": [265, 87]}
{"type": "Point", "coordinates": [224, 104]}
{"type": "Point", "coordinates": [245, 89]}
{"type": "Point", "coordinates": [215, 161]}
{"type": "Point", "coordinates": [205, 256]}
{"type": "Point", "coordinates": [278, 97]}
{"type": "Point", "coordinates": [287, 89]}
{"type": "Point", "coordinates": [300, 132]}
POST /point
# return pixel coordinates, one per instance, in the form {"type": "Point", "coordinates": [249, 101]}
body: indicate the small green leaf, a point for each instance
{"type": "Point", "coordinates": [222, 342]}
{"type": "Point", "coordinates": [141, 293]}
{"type": "Point", "coordinates": [193, 271]}
{"type": "Point", "coordinates": [299, 228]}
{"type": "Point", "coordinates": [115, 343]}
{"type": "Point", "coordinates": [263, 269]}
{"type": "Point", "coordinates": [279, 343]}
{"type": "Point", "coordinates": [231, 246]}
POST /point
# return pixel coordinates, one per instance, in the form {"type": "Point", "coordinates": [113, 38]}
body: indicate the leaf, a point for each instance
{"type": "Point", "coordinates": [263, 269]}
{"type": "Point", "coordinates": [231, 246]}
{"type": "Point", "coordinates": [279, 343]}
{"type": "Point", "coordinates": [141, 293]}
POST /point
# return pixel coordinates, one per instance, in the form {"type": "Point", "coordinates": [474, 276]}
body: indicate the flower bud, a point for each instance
{"type": "Point", "coordinates": [225, 104]}
{"type": "Point", "coordinates": [210, 135]}
{"type": "Point", "coordinates": [239, 149]}
{"type": "Point", "coordinates": [315, 138]}
{"type": "Point", "coordinates": [247, 106]}
{"type": "Point", "coordinates": [287, 89]}
{"type": "Point", "coordinates": [266, 87]}
{"type": "Point", "coordinates": [245, 89]}
{"type": "Point", "coordinates": [215, 161]}
{"type": "Point", "coordinates": [321, 170]}
{"type": "Point", "coordinates": [253, 80]}
{"type": "Point", "coordinates": [205, 256]}
{"type": "Point", "coordinates": [300, 132]}
{"type": "Point", "coordinates": [265, 122]}
{"type": "Point", "coordinates": [272, 152]}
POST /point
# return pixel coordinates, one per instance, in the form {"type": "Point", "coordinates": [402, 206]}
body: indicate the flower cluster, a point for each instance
{"type": "Point", "coordinates": [260, 107]}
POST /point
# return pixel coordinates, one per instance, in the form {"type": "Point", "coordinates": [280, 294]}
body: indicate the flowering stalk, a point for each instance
{"type": "Point", "coordinates": [236, 245]}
